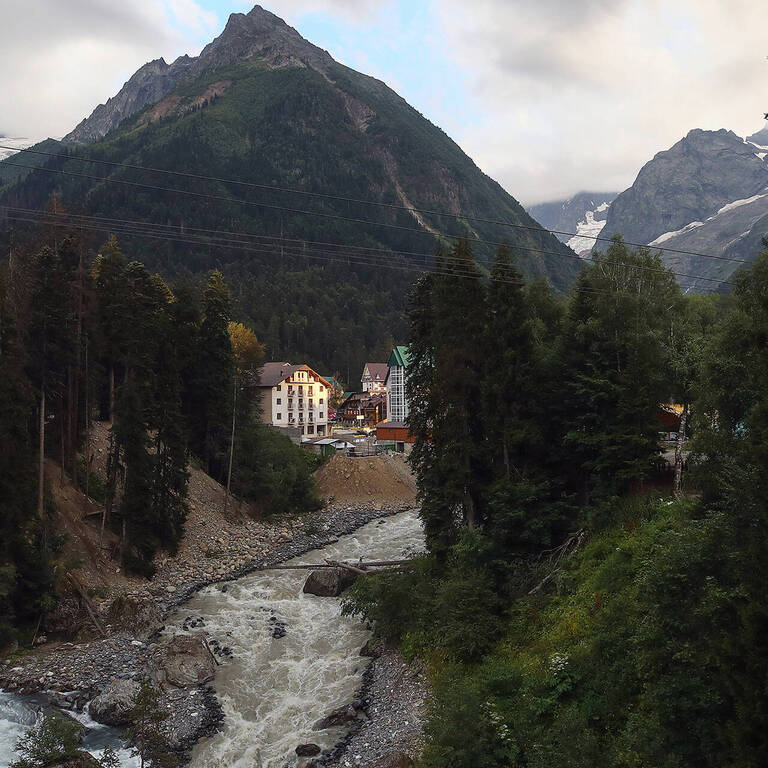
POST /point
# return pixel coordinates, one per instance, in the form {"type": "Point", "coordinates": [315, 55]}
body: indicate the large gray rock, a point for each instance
{"type": "Point", "coordinates": [307, 750]}
{"type": "Point", "coordinates": [114, 705]}
{"type": "Point", "coordinates": [182, 662]}
{"type": "Point", "coordinates": [140, 616]}
{"type": "Point", "coordinates": [339, 716]}
{"type": "Point", "coordinates": [329, 582]}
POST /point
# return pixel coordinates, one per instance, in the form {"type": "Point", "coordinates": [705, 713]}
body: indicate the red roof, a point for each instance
{"type": "Point", "coordinates": [378, 371]}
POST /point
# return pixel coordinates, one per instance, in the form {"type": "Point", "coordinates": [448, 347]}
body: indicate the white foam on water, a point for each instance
{"type": "Point", "coordinates": [274, 690]}
{"type": "Point", "coordinates": [15, 719]}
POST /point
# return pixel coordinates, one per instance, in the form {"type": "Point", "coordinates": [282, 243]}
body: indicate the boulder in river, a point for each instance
{"type": "Point", "coordinates": [182, 662]}
{"type": "Point", "coordinates": [114, 705]}
{"type": "Point", "coordinates": [307, 750]}
{"type": "Point", "coordinates": [392, 760]}
{"type": "Point", "coordinates": [339, 716]}
{"type": "Point", "coordinates": [329, 582]}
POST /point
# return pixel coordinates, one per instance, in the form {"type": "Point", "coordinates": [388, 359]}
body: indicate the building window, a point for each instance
{"type": "Point", "coordinates": [321, 415]}
{"type": "Point", "coordinates": [310, 430]}
{"type": "Point", "coordinates": [279, 416]}
{"type": "Point", "coordinates": [278, 388]}
{"type": "Point", "coordinates": [322, 388]}
{"type": "Point", "coordinates": [279, 401]}
{"type": "Point", "coordinates": [321, 401]}
{"type": "Point", "coordinates": [310, 390]}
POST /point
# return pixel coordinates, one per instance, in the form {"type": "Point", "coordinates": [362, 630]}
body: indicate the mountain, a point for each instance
{"type": "Point", "coordinates": [584, 215]}
{"type": "Point", "coordinates": [709, 194]}
{"type": "Point", "coordinates": [262, 104]}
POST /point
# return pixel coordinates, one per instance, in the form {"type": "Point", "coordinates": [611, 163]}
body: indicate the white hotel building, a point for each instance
{"type": "Point", "coordinates": [294, 396]}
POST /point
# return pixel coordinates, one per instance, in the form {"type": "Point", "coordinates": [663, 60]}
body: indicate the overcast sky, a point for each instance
{"type": "Point", "coordinates": [549, 97]}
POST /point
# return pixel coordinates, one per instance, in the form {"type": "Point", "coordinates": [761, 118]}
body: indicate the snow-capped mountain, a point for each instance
{"type": "Point", "coordinates": [707, 194]}
{"type": "Point", "coordinates": [578, 220]}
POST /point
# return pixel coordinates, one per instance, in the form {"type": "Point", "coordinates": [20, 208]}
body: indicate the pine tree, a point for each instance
{"type": "Point", "coordinates": [211, 412]}
{"type": "Point", "coordinates": [617, 369]}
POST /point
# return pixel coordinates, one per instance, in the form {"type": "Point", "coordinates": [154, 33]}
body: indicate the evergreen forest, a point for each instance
{"type": "Point", "coordinates": [584, 600]}
{"type": "Point", "coordinates": [90, 337]}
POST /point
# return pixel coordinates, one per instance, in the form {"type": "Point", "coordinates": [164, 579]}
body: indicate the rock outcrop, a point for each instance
{"type": "Point", "coordinates": [114, 705]}
{"type": "Point", "coordinates": [329, 582]}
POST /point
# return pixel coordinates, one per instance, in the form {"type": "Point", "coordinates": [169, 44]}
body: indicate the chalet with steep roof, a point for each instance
{"type": "Point", "coordinates": [294, 396]}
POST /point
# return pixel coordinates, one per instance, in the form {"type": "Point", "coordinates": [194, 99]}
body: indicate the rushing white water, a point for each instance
{"type": "Point", "coordinates": [275, 689]}
{"type": "Point", "coordinates": [18, 714]}
{"type": "Point", "coordinates": [15, 718]}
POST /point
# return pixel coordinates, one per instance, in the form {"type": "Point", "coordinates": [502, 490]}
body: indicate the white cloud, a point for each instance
{"type": "Point", "coordinates": [548, 96]}
{"type": "Point", "coordinates": [60, 59]}
{"type": "Point", "coordinates": [580, 95]}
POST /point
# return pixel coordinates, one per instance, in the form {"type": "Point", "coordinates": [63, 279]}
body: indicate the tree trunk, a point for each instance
{"type": "Point", "coordinates": [111, 393]}
{"type": "Point", "coordinates": [679, 452]}
{"type": "Point", "coordinates": [41, 469]}
{"type": "Point", "coordinates": [231, 445]}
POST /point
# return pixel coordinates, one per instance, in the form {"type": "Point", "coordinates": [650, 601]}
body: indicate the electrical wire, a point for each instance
{"type": "Point", "coordinates": [271, 206]}
{"type": "Point", "coordinates": [459, 269]}
{"type": "Point", "coordinates": [359, 201]}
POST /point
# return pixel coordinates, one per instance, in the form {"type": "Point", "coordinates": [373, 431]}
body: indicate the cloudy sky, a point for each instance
{"type": "Point", "coordinates": [547, 96]}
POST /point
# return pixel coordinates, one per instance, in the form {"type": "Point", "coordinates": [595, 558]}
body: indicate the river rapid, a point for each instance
{"type": "Point", "coordinates": [275, 688]}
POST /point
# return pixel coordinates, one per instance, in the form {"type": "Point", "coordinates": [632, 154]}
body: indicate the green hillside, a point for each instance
{"type": "Point", "coordinates": [324, 130]}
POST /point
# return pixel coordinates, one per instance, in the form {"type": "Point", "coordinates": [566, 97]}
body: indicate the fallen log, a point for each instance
{"type": "Point", "coordinates": [346, 566]}
{"type": "Point", "coordinates": [86, 601]}
{"type": "Point", "coordinates": [327, 564]}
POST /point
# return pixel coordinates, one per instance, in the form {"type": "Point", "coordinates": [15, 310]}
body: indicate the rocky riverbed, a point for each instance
{"type": "Point", "coordinates": [74, 673]}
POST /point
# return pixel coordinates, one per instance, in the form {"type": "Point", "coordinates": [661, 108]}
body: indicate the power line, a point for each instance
{"type": "Point", "coordinates": [271, 206]}
{"type": "Point", "coordinates": [464, 270]}
{"type": "Point", "coordinates": [359, 201]}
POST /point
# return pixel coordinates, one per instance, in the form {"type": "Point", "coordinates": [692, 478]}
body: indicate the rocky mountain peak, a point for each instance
{"type": "Point", "coordinates": [262, 35]}
{"type": "Point", "coordinates": [257, 34]}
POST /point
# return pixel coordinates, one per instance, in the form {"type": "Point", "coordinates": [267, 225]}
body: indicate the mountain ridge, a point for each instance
{"type": "Point", "coordinates": [262, 104]}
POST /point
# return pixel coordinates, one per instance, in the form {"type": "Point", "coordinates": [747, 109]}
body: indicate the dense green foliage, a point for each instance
{"type": "Point", "coordinates": [588, 618]}
{"type": "Point", "coordinates": [115, 342]}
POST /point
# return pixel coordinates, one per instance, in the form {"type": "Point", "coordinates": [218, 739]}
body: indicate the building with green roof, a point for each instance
{"type": "Point", "coordinates": [397, 404]}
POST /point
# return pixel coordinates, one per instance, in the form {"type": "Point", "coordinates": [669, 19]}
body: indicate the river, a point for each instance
{"type": "Point", "coordinates": [274, 688]}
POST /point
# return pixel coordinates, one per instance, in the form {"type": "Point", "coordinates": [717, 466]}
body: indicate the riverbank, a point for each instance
{"type": "Point", "coordinates": [393, 697]}
{"type": "Point", "coordinates": [74, 673]}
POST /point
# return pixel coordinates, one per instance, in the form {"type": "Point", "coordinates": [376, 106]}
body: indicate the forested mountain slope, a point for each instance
{"type": "Point", "coordinates": [263, 105]}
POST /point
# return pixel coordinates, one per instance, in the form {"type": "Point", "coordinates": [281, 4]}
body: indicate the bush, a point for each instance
{"type": "Point", "coordinates": [273, 472]}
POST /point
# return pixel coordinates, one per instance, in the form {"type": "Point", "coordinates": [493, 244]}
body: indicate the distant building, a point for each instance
{"type": "Point", "coordinates": [363, 409]}
{"type": "Point", "coordinates": [397, 404]}
{"type": "Point", "coordinates": [294, 396]}
{"type": "Point", "coordinates": [374, 378]}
